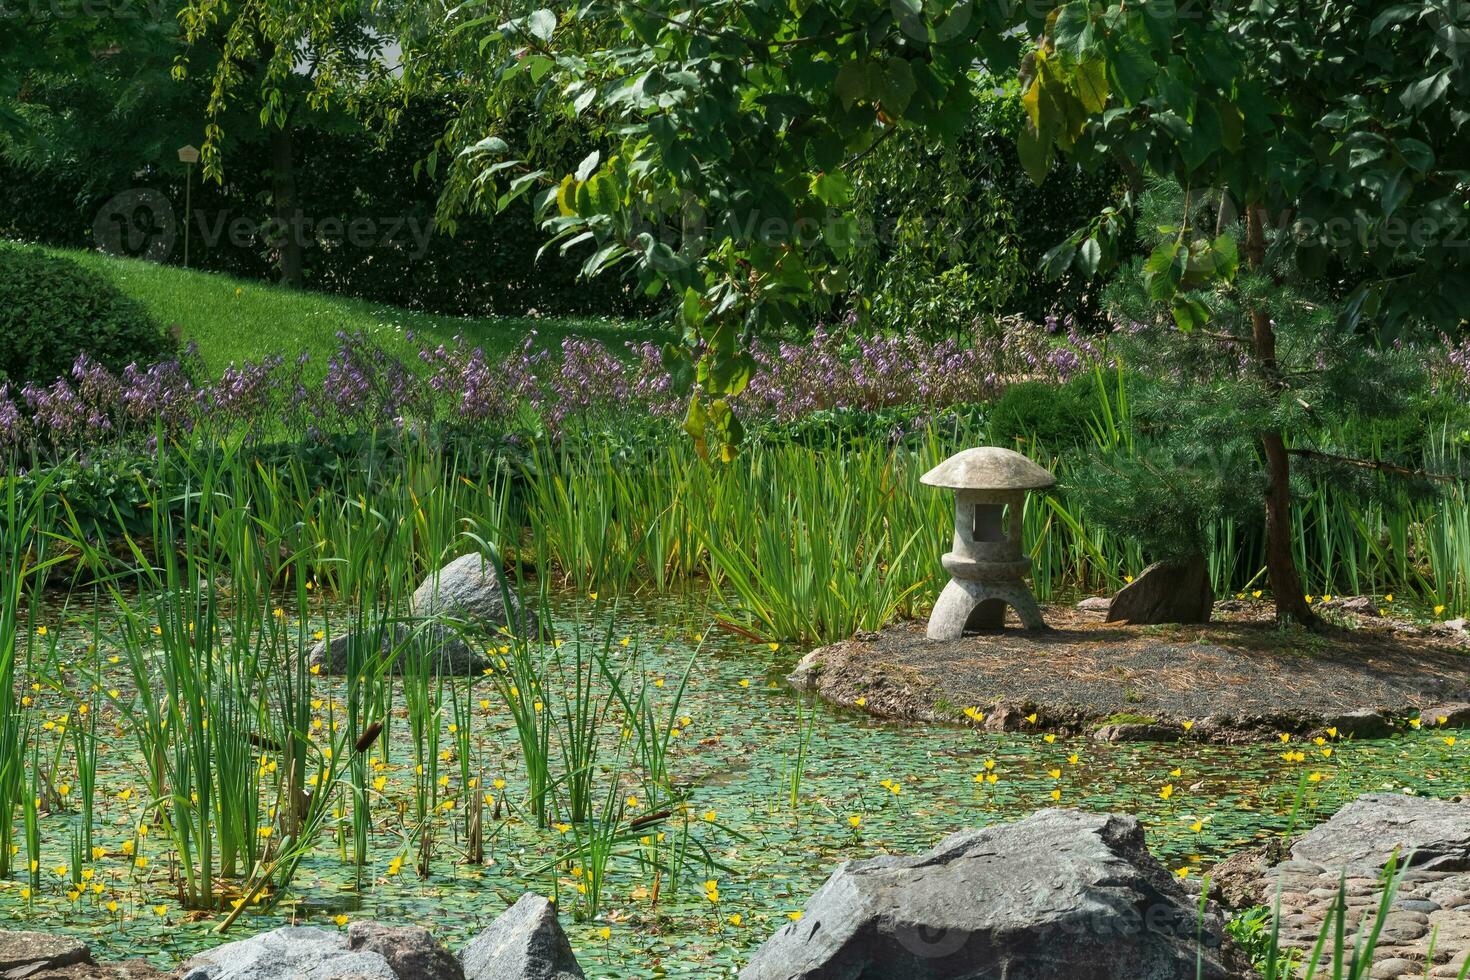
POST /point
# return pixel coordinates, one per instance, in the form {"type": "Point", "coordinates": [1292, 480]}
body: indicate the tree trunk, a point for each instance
{"type": "Point", "coordinates": [1286, 583]}
{"type": "Point", "coordinates": [288, 231]}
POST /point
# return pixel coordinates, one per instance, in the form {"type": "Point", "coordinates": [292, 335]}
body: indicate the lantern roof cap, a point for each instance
{"type": "Point", "coordinates": [988, 468]}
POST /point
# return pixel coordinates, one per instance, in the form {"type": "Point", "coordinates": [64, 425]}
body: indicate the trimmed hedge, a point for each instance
{"type": "Point", "coordinates": [52, 309]}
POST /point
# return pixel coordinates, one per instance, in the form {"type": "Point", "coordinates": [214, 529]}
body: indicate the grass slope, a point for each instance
{"type": "Point", "coordinates": [235, 320]}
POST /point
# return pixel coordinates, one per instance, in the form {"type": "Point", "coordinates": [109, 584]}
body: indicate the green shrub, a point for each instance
{"type": "Point", "coordinates": [1044, 412]}
{"type": "Point", "coordinates": [52, 309]}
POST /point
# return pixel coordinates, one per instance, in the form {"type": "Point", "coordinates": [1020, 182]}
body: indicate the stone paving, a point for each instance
{"type": "Point", "coordinates": [1426, 932]}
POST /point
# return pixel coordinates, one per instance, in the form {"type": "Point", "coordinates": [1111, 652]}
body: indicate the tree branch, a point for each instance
{"type": "Point", "coordinates": [1371, 464]}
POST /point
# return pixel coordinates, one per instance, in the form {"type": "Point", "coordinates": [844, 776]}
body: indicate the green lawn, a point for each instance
{"type": "Point", "coordinates": [234, 320]}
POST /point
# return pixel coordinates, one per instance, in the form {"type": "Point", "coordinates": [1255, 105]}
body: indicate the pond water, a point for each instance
{"type": "Point", "coordinates": [867, 788]}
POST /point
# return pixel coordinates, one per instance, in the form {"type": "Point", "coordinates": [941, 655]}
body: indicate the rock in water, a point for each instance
{"type": "Point", "coordinates": [525, 943]}
{"type": "Point", "coordinates": [1061, 894]}
{"type": "Point", "coordinates": [471, 590]}
{"type": "Point", "coordinates": [1362, 835]}
{"type": "Point", "coordinates": [1166, 592]}
{"type": "Point", "coordinates": [291, 952]}
{"type": "Point", "coordinates": [331, 655]}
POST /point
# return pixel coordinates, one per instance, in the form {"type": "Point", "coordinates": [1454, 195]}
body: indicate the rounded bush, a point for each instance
{"type": "Point", "coordinates": [52, 309]}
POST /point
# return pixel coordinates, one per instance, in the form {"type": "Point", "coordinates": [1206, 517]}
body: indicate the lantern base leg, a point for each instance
{"type": "Point", "coordinates": [971, 607]}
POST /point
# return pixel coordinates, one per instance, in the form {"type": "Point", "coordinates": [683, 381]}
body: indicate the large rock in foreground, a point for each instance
{"type": "Point", "coordinates": [525, 943]}
{"type": "Point", "coordinates": [1430, 834]}
{"type": "Point", "coordinates": [1166, 592]}
{"type": "Point", "coordinates": [367, 952]}
{"type": "Point", "coordinates": [1426, 931]}
{"type": "Point", "coordinates": [1059, 894]}
{"type": "Point", "coordinates": [41, 956]}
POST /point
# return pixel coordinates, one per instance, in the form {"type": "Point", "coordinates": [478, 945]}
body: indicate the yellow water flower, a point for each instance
{"type": "Point", "coordinates": [1167, 791]}
{"type": "Point", "coordinates": [975, 714]}
{"type": "Point", "coordinates": [861, 702]}
{"type": "Point", "coordinates": [854, 821]}
{"type": "Point", "coordinates": [341, 920]}
{"type": "Point", "coordinates": [794, 916]}
{"type": "Point", "coordinates": [604, 933]}
{"type": "Point", "coordinates": [1056, 794]}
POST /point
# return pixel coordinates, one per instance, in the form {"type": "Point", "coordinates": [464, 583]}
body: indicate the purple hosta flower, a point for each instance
{"type": "Point", "coordinates": [1457, 362]}
{"type": "Point", "coordinates": [12, 421]}
{"type": "Point", "coordinates": [467, 382]}
{"type": "Point", "coordinates": [248, 391]}
{"type": "Point", "coordinates": [162, 392]}
{"type": "Point", "coordinates": [366, 384]}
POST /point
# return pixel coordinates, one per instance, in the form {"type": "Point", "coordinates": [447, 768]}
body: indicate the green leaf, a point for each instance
{"type": "Point", "coordinates": [1072, 33]}
{"type": "Point", "coordinates": [541, 23]}
{"type": "Point", "coordinates": [832, 189]}
{"type": "Point", "coordinates": [1089, 257]}
{"type": "Point", "coordinates": [1034, 152]}
{"type": "Point", "coordinates": [1132, 69]}
{"type": "Point", "coordinates": [896, 86]}
{"type": "Point", "coordinates": [588, 165]}
{"type": "Point", "coordinates": [1226, 256]}
{"type": "Point", "coordinates": [854, 82]}
{"type": "Point", "coordinates": [1190, 314]}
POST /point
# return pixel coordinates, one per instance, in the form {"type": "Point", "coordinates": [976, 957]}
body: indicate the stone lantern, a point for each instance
{"type": "Point", "coordinates": [986, 568]}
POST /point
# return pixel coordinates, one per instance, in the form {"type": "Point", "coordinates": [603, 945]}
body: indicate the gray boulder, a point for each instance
{"type": "Point", "coordinates": [42, 956]}
{"type": "Point", "coordinates": [331, 655]}
{"type": "Point", "coordinates": [1358, 605]}
{"type": "Point", "coordinates": [1166, 592]}
{"type": "Point", "coordinates": [1363, 834]}
{"type": "Point", "coordinates": [1059, 894]}
{"type": "Point", "coordinates": [307, 953]}
{"type": "Point", "coordinates": [1446, 716]}
{"type": "Point", "coordinates": [451, 655]}
{"type": "Point", "coordinates": [471, 590]}
{"type": "Point", "coordinates": [410, 950]}
{"type": "Point", "coordinates": [526, 942]}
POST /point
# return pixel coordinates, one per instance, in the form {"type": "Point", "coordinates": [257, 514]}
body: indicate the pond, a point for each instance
{"type": "Point", "coordinates": [865, 787]}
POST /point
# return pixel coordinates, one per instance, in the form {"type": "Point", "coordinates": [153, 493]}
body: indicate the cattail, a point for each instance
{"type": "Point", "coordinates": [369, 736]}
{"type": "Point", "coordinates": [649, 818]}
